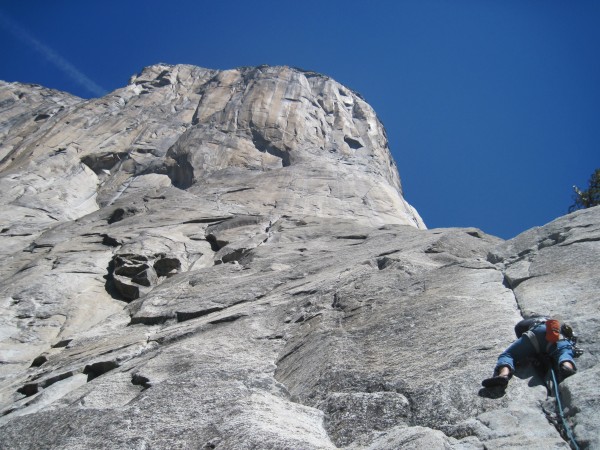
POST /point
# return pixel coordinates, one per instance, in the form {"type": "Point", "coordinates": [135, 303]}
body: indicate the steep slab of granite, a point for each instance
{"type": "Point", "coordinates": [218, 131]}
{"type": "Point", "coordinates": [151, 170]}
{"type": "Point", "coordinates": [223, 259]}
{"type": "Point", "coordinates": [345, 336]}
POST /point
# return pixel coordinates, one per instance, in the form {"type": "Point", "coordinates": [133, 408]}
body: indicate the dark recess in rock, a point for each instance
{"type": "Point", "coordinates": [50, 381]}
{"type": "Point", "coordinates": [38, 361]}
{"type": "Point", "coordinates": [165, 267]}
{"type": "Point", "coordinates": [180, 171]}
{"type": "Point", "coordinates": [128, 269]}
{"type": "Point", "coordinates": [353, 236]}
{"type": "Point", "coordinates": [99, 368]}
{"type": "Point", "coordinates": [230, 318]}
{"type": "Point", "coordinates": [116, 216]}
{"type": "Point", "coordinates": [305, 292]}
{"type": "Point", "coordinates": [208, 220]}
{"type": "Point", "coordinates": [128, 292]}
{"type": "Point", "coordinates": [151, 320]}
{"type": "Point", "coordinates": [183, 316]}
{"type": "Point", "coordinates": [62, 343]}
{"type": "Point", "coordinates": [34, 246]}
{"type": "Point", "coordinates": [383, 263]}
{"type": "Point", "coordinates": [121, 213]}
{"type": "Point", "coordinates": [235, 222]}
{"type": "Point", "coordinates": [264, 146]}
{"type": "Point", "coordinates": [129, 272]}
{"type": "Point", "coordinates": [235, 255]}
{"type": "Point", "coordinates": [109, 285]}
{"type": "Point", "coordinates": [109, 241]}
{"type": "Point", "coordinates": [239, 190]}
{"type": "Point", "coordinates": [29, 389]}
{"type": "Point", "coordinates": [144, 278]}
{"type": "Point", "coordinates": [161, 79]}
{"type": "Point", "coordinates": [476, 234]}
{"type": "Point", "coordinates": [352, 143]}
{"type": "Point", "coordinates": [103, 161]}
{"type": "Point", "coordinates": [214, 245]}
{"type": "Point", "coordinates": [140, 380]}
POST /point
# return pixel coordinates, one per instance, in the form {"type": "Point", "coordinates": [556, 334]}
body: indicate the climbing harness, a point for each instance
{"type": "Point", "coordinates": [561, 414]}
{"type": "Point", "coordinates": [534, 341]}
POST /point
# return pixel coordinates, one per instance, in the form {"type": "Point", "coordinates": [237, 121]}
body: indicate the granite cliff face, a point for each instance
{"type": "Point", "coordinates": [224, 259]}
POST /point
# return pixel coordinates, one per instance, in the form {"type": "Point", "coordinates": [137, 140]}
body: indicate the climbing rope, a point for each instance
{"type": "Point", "coordinates": [561, 414]}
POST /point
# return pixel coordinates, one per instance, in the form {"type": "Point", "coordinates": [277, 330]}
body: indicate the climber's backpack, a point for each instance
{"type": "Point", "coordinates": [527, 324]}
{"type": "Point", "coordinates": [524, 327]}
{"type": "Point", "coordinates": [554, 332]}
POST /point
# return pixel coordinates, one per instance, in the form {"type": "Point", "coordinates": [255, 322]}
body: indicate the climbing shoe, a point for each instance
{"type": "Point", "coordinates": [566, 372]}
{"type": "Point", "coordinates": [496, 381]}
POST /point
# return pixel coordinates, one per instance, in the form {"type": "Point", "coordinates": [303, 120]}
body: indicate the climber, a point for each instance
{"type": "Point", "coordinates": [543, 338]}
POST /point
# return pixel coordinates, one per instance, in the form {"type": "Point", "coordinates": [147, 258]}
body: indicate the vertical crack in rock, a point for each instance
{"type": "Point", "coordinates": [550, 411]}
{"type": "Point", "coordinates": [512, 281]}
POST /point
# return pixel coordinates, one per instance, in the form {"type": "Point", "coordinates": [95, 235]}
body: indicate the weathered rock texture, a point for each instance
{"type": "Point", "coordinates": [209, 259]}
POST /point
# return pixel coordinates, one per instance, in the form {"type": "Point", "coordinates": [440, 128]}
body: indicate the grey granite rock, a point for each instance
{"type": "Point", "coordinates": [223, 259]}
{"type": "Point", "coordinates": [553, 271]}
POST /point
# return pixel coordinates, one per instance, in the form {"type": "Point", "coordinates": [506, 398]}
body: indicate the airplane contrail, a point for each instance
{"type": "Point", "coordinates": [54, 58]}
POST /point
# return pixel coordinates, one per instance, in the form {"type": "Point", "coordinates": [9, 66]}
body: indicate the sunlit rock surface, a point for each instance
{"type": "Point", "coordinates": [224, 259]}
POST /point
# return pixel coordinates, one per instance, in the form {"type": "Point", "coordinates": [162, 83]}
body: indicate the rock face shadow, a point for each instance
{"type": "Point", "coordinates": [535, 372]}
{"type": "Point", "coordinates": [109, 284]}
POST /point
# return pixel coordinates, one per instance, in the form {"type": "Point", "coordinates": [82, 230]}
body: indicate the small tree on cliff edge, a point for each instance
{"type": "Point", "coordinates": [589, 197]}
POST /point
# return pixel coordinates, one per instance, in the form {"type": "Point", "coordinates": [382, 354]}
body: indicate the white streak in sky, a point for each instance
{"type": "Point", "coordinates": [54, 58]}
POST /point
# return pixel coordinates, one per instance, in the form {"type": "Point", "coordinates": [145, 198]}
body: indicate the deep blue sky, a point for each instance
{"type": "Point", "coordinates": [491, 107]}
